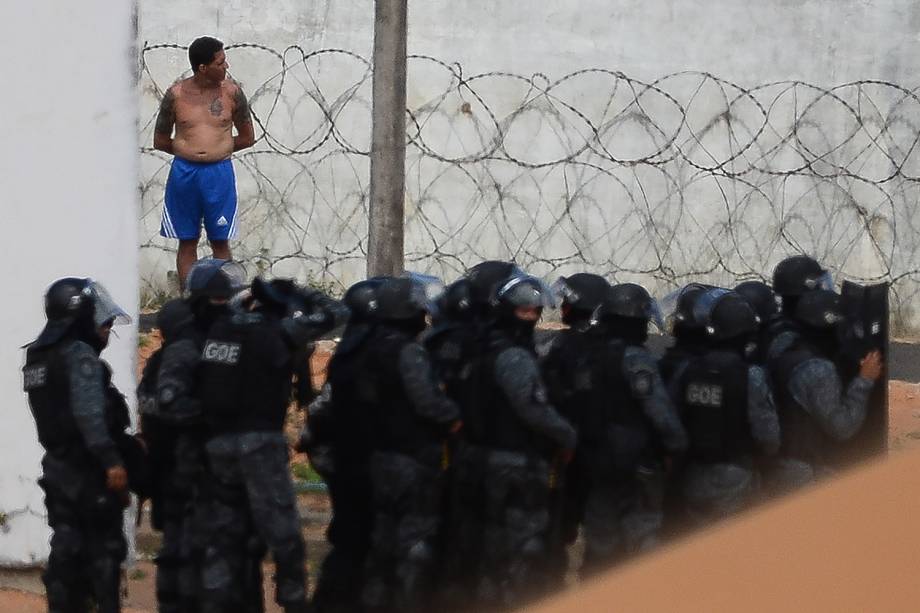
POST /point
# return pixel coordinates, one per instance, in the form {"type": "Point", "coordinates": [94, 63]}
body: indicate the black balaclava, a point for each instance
{"type": "Point", "coordinates": [825, 340]}
{"type": "Point", "coordinates": [84, 329]}
{"type": "Point", "coordinates": [631, 330]}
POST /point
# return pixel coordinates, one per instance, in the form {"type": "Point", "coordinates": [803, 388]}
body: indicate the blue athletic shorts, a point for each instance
{"type": "Point", "coordinates": [199, 192]}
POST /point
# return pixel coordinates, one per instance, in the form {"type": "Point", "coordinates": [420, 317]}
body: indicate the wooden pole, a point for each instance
{"type": "Point", "coordinates": [388, 140]}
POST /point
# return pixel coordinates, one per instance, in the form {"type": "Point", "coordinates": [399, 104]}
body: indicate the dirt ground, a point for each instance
{"type": "Point", "coordinates": [904, 434]}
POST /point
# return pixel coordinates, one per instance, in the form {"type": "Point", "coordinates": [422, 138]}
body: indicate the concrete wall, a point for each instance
{"type": "Point", "coordinates": [717, 137]}
{"type": "Point", "coordinates": [68, 171]}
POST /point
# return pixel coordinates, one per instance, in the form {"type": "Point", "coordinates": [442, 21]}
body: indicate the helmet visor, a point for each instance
{"type": "Point", "coordinates": [703, 305]}
{"type": "Point", "coordinates": [561, 292]}
{"type": "Point", "coordinates": [426, 290]}
{"type": "Point", "coordinates": [825, 282]}
{"type": "Point", "coordinates": [526, 291]}
{"type": "Point", "coordinates": [105, 309]}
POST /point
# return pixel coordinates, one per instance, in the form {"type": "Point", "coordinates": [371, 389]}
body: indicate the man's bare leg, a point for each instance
{"type": "Point", "coordinates": [186, 256]}
{"type": "Point", "coordinates": [221, 250]}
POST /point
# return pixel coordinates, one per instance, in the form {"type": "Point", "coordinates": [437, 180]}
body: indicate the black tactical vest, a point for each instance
{"type": "Point", "coordinates": [46, 381]}
{"type": "Point", "coordinates": [397, 427]}
{"type": "Point", "coordinates": [615, 424]}
{"type": "Point", "coordinates": [245, 374]}
{"type": "Point", "coordinates": [499, 427]}
{"type": "Point", "coordinates": [802, 437]}
{"type": "Point", "coordinates": [147, 397]}
{"type": "Point", "coordinates": [713, 396]}
{"type": "Point", "coordinates": [674, 359]}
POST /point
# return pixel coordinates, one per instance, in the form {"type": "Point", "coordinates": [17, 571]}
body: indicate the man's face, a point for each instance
{"type": "Point", "coordinates": [528, 313]}
{"type": "Point", "coordinates": [104, 331]}
{"type": "Point", "coordinates": [217, 69]}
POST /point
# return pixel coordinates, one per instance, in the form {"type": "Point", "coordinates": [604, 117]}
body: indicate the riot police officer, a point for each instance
{"type": "Point", "coordinates": [727, 410]}
{"type": "Point", "coordinates": [817, 408]}
{"type": "Point", "coordinates": [457, 343]}
{"type": "Point", "coordinates": [521, 434]}
{"type": "Point", "coordinates": [175, 433]}
{"type": "Point", "coordinates": [689, 333]}
{"type": "Point", "coordinates": [765, 303]}
{"type": "Point", "coordinates": [339, 439]}
{"type": "Point", "coordinates": [567, 370]}
{"type": "Point", "coordinates": [410, 417]}
{"type": "Point", "coordinates": [244, 386]}
{"type": "Point", "coordinates": [628, 426]}
{"type": "Point", "coordinates": [793, 277]}
{"type": "Point", "coordinates": [81, 420]}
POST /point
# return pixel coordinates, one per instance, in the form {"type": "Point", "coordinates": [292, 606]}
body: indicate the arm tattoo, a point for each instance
{"type": "Point", "coordinates": [167, 115]}
{"type": "Point", "coordinates": [241, 113]}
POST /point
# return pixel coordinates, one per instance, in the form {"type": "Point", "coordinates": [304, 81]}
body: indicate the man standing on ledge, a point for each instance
{"type": "Point", "coordinates": [201, 186]}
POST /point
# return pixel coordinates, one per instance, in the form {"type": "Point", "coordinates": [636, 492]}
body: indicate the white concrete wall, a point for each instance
{"type": "Point", "coordinates": [671, 218]}
{"type": "Point", "coordinates": [68, 177]}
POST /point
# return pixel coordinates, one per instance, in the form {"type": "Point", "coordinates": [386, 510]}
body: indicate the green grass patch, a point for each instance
{"type": "Point", "coordinates": [302, 471]}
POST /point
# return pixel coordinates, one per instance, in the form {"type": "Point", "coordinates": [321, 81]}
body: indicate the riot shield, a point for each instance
{"type": "Point", "coordinates": [866, 329]}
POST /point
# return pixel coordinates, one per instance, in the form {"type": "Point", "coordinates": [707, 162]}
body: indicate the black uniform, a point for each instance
{"type": "Point", "coordinates": [728, 411]}
{"type": "Point", "coordinates": [410, 416]}
{"type": "Point", "coordinates": [174, 430]}
{"type": "Point", "coordinates": [521, 432]}
{"type": "Point", "coordinates": [81, 419]}
{"type": "Point", "coordinates": [338, 439]}
{"type": "Point", "coordinates": [817, 410]}
{"type": "Point", "coordinates": [627, 426]}
{"type": "Point", "coordinates": [244, 387]}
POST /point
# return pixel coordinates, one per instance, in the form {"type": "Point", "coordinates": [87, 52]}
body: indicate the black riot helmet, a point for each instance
{"type": "Point", "coordinates": [626, 312]}
{"type": "Point", "coordinates": [361, 299]}
{"type": "Point", "coordinates": [485, 279]}
{"type": "Point", "coordinates": [799, 274]}
{"type": "Point", "coordinates": [404, 303]}
{"type": "Point", "coordinates": [175, 316]}
{"type": "Point", "coordinates": [580, 295]}
{"type": "Point", "coordinates": [518, 304]}
{"type": "Point", "coordinates": [400, 299]}
{"type": "Point", "coordinates": [456, 303]}
{"type": "Point", "coordinates": [730, 317]}
{"type": "Point", "coordinates": [679, 308]}
{"type": "Point", "coordinates": [79, 307]}
{"type": "Point", "coordinates": [630, 301]}
{"type": "Point", "coordinates": [214, 278]}
{"type": "Point", "coordinates": [273, 297]}
{"type": "Point", "coordinates": [761, 298]}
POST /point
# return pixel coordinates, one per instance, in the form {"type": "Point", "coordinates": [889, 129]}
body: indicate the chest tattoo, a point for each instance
{"type": "Point", "coordinates": [217, 107]}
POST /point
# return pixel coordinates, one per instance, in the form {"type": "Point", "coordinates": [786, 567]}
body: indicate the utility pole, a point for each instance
{"type": "Point", "coordinates": [388, 140]}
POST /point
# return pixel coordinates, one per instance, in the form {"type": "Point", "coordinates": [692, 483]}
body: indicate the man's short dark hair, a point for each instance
{"type": "Point", "coordinates": [202, 51]}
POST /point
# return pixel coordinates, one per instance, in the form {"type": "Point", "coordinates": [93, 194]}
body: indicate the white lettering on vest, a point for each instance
{"type": "Point", "coordinates": [702, 394]}
{"type": "Point", "coordinates": [221, 353]}
{"type": "Point", "coordinates": [34, 376]}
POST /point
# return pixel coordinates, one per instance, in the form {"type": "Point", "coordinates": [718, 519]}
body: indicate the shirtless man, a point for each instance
{"type": "Point", "coordinates": [201, 186]}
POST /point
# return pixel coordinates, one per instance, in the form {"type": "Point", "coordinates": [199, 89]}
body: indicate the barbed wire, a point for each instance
{"type": "Point", "coordinates": [687, 177]}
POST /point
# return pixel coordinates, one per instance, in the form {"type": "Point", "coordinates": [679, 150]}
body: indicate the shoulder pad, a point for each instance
{"type": "Point", "coordinates": [640, 368]}
{"type": "Point", "coordinates": [87, 367]}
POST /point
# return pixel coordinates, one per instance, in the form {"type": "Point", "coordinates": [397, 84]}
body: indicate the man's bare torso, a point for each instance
{"type": "Point", "coordinates": [204, 120]}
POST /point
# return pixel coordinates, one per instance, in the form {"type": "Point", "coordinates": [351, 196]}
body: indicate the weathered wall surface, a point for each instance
{"type": "Point", "coordinates": [658, 142]}
{"type": "Point", "coordinates": [68, 167]}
